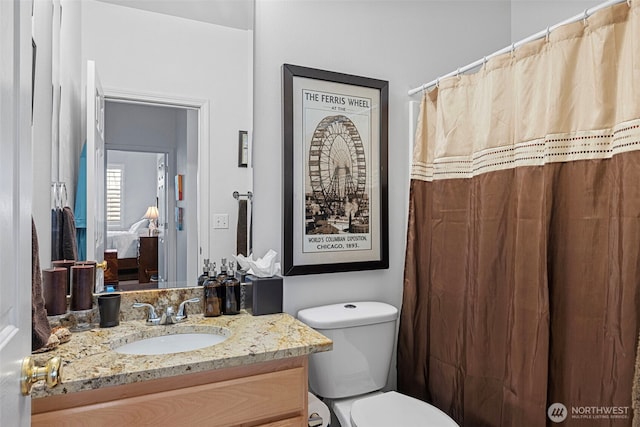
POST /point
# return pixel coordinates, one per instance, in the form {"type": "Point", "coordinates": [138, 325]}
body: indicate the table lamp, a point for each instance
{"type": "Point", "coordinates": [152, 216]}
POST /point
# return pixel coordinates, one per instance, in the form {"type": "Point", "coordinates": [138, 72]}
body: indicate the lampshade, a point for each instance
{"type": "Point", "coordinates": [152, 213]}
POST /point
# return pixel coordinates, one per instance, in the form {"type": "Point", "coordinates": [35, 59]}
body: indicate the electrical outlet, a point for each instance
{"type": "Point", "coordinates": [221, 221]}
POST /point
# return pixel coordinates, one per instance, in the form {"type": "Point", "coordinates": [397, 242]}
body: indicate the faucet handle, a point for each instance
{"type": "Point", "coordinates": [168, 317]}
{"type": "Point", "coordinates": [153, 317]}
{"type": "Point", "coordinates": [182, 312]}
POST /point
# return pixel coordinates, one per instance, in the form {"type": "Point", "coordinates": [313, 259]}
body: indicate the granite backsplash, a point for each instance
{"type": "Point", "coordinates": [160, 299]}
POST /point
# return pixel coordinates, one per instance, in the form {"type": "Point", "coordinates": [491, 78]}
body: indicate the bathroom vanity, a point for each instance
{"type": "Point", "coordinates": [256, 377]}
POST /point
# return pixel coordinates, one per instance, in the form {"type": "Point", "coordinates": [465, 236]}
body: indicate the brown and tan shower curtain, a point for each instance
{"type": "Point", "coordinates": [522, 277]}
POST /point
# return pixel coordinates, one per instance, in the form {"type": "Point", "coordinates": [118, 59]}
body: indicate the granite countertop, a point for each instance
{"type": "Point", "coordinates": [89, 362]}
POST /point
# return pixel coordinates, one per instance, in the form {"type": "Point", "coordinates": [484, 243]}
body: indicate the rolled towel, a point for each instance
{"type": "Point", "coordinates": [69, 242]}
{"type": "Point", "coordinates": [241, 231]}
{"type": "Point", "coordinates": [56, 234]}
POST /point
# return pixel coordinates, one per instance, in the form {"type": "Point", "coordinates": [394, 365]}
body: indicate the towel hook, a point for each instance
{"type": "Point", "coordinates": [63, 196]}
{"type": "Point", "coordinates": [54, 194]}
{"type": "Point", "coordinates": [59, 194]}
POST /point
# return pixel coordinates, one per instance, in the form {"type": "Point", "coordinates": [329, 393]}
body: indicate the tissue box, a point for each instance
{"type": "Point", "coordinates": [263, 295]}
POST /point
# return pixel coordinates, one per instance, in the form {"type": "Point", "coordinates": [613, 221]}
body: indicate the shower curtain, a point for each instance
{"type": "Point", "coordinates": [521, 290]}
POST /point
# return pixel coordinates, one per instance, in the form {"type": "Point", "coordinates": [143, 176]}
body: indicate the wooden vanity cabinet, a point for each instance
{"type": "Point", "coordinates": [269, 394]}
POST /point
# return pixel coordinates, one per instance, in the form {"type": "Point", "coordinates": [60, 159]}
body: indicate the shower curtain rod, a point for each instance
{"type": "Point", "coordinates": [513, 46]}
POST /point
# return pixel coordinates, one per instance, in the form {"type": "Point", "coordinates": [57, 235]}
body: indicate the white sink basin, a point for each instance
{"type": "Point", "coordinates": [167, 344]}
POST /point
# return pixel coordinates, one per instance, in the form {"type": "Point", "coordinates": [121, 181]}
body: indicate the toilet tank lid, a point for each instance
{"type": "Point", "coordinates": [348, 314]}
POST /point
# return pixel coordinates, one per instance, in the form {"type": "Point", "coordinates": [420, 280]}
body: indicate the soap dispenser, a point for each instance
{"type": "Point", "coordinates": [231, 292]}
{"type": "Point", "coordinates": [222, 276]}
{"type": "Point", "coordinates": [213, 294]}
{"type": "Point", "coordinates": [205, 273]}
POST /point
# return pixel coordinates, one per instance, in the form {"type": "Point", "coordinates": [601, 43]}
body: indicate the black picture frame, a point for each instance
{"type": "Point", "coordinates": [335, 177]}
{"type": "Point", "coordinates": [243, 149]}
{"type": "Point", "coordinates": [34, 56]}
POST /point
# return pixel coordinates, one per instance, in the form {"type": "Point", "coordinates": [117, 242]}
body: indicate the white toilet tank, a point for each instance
{"type": "Point", "coordinates": [363, 336]}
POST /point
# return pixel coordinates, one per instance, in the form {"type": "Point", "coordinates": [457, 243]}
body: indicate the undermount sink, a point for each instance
{"type": "Point", "coordinates": [166, 344]}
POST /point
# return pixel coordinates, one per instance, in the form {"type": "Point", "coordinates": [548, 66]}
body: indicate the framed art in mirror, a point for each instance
{"type": "Point", "coordinates": [335, 172]}
{"type": "Point", "coordinates": [243, 149]}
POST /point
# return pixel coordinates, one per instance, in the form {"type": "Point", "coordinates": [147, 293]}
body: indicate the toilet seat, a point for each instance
{"type": "Point", "coordinates": [395, 409]}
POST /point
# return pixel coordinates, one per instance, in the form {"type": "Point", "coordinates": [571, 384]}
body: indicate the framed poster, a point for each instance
{"type": "Point", "coordinates": [178, 185]}
{"type": "Point", "coordinates": [243, 149]}
{"type": "Point", "coordinates": [335, 172]}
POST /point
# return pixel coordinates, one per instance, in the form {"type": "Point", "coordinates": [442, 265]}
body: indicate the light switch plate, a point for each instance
{"type": "Point", "coordinates": [221, 221]}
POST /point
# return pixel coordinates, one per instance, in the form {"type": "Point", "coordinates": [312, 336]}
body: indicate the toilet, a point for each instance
{"type": "Point", "coordinates": [351, 376]}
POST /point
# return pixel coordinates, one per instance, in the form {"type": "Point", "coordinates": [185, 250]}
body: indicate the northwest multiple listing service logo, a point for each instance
{"type": "Point", "coordinates": [557, 412]}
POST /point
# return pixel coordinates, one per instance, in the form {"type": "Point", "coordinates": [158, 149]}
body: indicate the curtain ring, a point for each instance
{"type": "Point", "coordinates": [458, 73]}
{"type": "Point", "coordinates": [629, 3]}
{"type": "Point", "coordinates": [586, 15]}
{"type": "Point", "coordinates": [438, 82]}
{"type": "Point", "coordinates": [484, 62]}
{"type": "Point", "coordinates": [546, 36]}
{"type": "Point", "coordinates": [513, 49]}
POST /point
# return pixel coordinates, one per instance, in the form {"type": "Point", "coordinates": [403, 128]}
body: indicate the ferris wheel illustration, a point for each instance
{"type": "Point", "coordinates": [337, 166]}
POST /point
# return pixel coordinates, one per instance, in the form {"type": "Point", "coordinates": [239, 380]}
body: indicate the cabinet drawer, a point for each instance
{"type": "Point", "coordinates": [251, 400]}
{"type": "Point", "coordinates": [289, 422]}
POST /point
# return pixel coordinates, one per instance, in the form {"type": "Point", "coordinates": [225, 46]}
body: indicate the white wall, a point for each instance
{"type": "Point", "coordinates": [41, 129]}
{"type": "Point", "coordinates": [71, 92]}
{"type": "Point", "coordinates": [404, 42]}
{"type": "Point", "coordinates": [531, 16]}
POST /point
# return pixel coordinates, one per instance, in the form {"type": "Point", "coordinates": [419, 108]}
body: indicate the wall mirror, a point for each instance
{"type": "Point", "coordinates": [177, 79]}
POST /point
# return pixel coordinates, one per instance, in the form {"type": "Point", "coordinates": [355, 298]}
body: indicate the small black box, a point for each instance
{"type": "Point", "coordinates": [241, 276]}
{"type": "Point", "coordinates": [263, 295]}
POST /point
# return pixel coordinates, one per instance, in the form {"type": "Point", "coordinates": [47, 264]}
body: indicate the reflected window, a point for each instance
{"type": "Point", "coordinates": [115, 173]}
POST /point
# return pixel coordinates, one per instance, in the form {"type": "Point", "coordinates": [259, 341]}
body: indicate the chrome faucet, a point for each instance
{"type": "Point", "coordinates": [152, 318]}
{"type": "Point", "coordinates": [182, 309]}
{"type": "Point", "coordinates": [169, 317]}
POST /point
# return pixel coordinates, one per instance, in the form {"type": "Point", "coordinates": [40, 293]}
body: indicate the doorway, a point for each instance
{"type": "Point", "coordinates": [148, 145]}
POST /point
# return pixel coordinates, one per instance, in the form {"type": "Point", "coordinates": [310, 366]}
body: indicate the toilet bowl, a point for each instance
{"type": "Point", "coordinates": [351, 376]}
{"type": "Point", "coordinates": [390, 409]}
